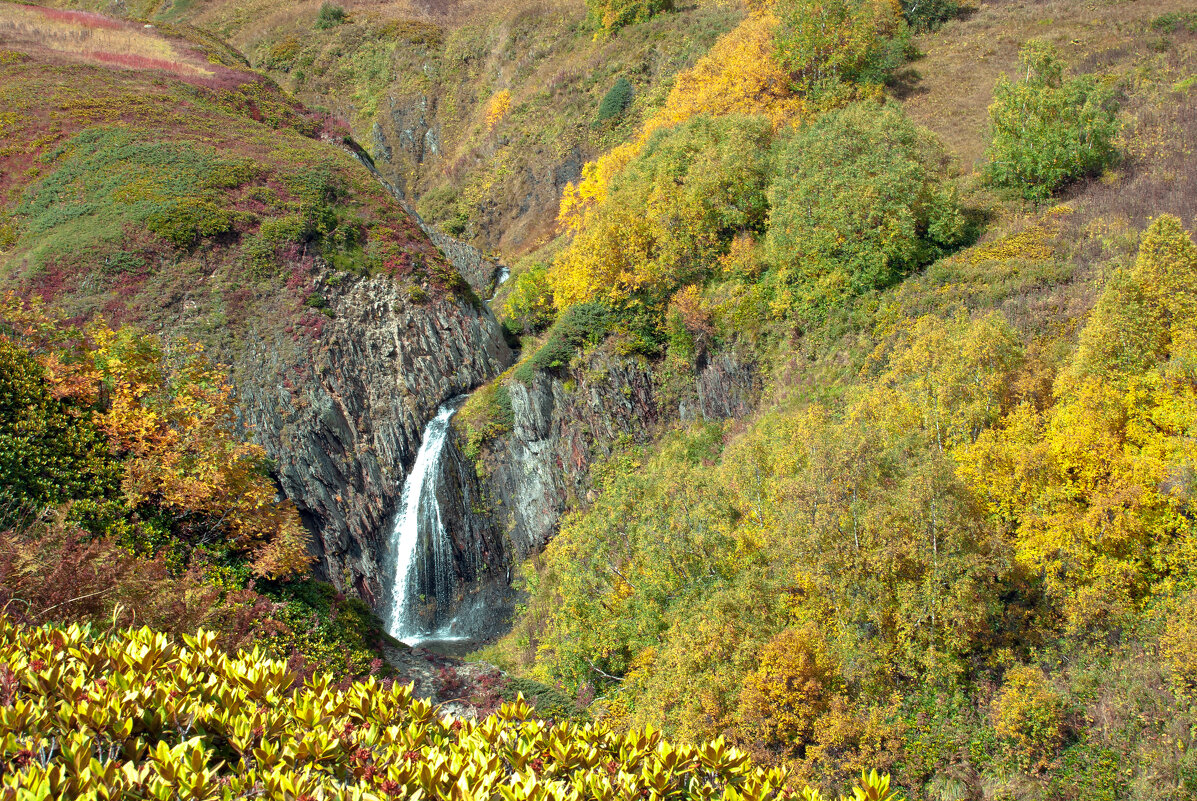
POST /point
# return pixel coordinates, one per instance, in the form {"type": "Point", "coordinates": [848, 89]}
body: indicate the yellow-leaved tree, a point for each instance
{"type": "Point", "coordinates": [1097, 491]}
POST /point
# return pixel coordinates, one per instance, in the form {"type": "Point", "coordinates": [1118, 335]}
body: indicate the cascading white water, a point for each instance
{"type": "Point", "coordinates": [419, 512]}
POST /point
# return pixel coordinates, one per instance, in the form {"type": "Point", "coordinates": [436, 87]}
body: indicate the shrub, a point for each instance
{"type": "Point", "coordinates": [8, 232]}
{"type": "Point", "coordinates": [497, 108]}
{"type": "Point", "coordinates": [329, 16]}
{"type": "Point", "coordinates": [822, 43]}
{"type": "Point", "coordinates": [49, 450]}
{"type": "Point", "coordinates": [1179, 647]}
{"type": "Point", "coordinates": [529, 305]}
{"type": "Point", "coordinates": [187, 720]}
{"type": "Point", "coordinates": [789, 691]}
{"type": "Point", "coordinates": [611, 15]}
{"type": "Point", "coordinates": [583, 324]}
{"type": "Point", "coordinates": [185, 221]}
{"type": "Point", "coordinates": [1029, 711]}
{"type": "Point", "coordinates": [1175, 21]}
{"type": "Point", "coordinates": [617, 100]}
{"type": "Point", "coordinates": [859, 200]}
{"type": "Point", "coordinates": [927, 15]}
{"type": "Point", "coordinates": [1045, 131]}
{"type": "Point", "coordinates": [673, 211]}
{"type": "Point", "coordinates": [485, 415]}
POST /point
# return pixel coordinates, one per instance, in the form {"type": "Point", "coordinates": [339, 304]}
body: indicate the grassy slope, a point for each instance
{"type": "Point", "coordinates": [189, 193]}
{"type": "Point", "coordinates": [498, 184]}
{"type": "Point", "coordinates": [1043, 270]}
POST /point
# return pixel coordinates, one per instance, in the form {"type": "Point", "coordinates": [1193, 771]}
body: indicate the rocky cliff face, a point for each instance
{"type": "Point", "coordinates": [562, 424]}
{"type": "Point", "coordinates": [342, 419]}
{"type": "Point", "coordinates": [480, 271]}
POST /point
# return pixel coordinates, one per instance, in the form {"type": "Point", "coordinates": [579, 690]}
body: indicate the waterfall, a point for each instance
{"type": "Point", "coordinates": [418, 523]}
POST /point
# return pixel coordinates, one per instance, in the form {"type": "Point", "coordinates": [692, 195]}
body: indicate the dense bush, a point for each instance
{"type": "Point", "coordinates": [927, 15]}
{"type": "Point", "coordinates": [611, 15]}
{"type": "Point", "coordinates": [823, 44]}
{"type": "Point", "coordinates": [329, 16]}
{"type": "Point", "coordinates": [1031, 713]}
{"type": "Point", "coordinates": [144, 426]}
{"type": "Point", "coordinates": [528, 307]}
{"type": "Point", "coordinates": [485, 415]}
{"type": "Point", "coordinates": [1047, 131]}
{"type": "Point", "coordinates": [188, 720]}
{"type": "Point", "coordinates": [184, 222]}
{"type": "Point", "coordinates": [617, 100]}
{"type": "Point", "coordinates": [669, 215]}
{"type": "Point", "coordinates": [49, 450]}
{"type": "Point", "coordinates": [582, 324]}
{"type": "Point", "coordinates": [859, 200]}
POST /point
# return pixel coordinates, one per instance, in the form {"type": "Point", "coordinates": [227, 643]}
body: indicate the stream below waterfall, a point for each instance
{"type": "Point", "coordinates": [420, 551]}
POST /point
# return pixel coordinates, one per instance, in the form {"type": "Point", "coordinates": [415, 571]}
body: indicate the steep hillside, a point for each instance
{"type": "Point", "coordinates": [943, 543]}
{"type": "Point", "coordinates": [147, 182]}
{"type": "Point", "coordinates": [481, 111]}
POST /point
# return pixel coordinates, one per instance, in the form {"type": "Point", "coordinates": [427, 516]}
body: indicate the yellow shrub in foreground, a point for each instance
{"type": "Point", "coordinates": [134, 715]}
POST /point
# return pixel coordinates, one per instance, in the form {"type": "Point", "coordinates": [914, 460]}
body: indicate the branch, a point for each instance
{"type": "Point", "coordinates": [80, 598]}
{"type": "Point", "coordinates": [602, 672]}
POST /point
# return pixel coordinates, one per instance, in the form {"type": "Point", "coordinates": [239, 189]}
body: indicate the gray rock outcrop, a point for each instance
{"type": "Point", "coordinates": [342, 419]}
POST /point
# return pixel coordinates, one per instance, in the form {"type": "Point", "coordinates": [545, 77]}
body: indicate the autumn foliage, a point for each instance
{"type": "Point", "coordinates": [166, 420]}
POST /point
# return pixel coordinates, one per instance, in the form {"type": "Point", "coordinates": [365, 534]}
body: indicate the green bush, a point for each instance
{"type": "Point", "coordinates": [49, 450]}
{"type": "Point", "coordinates": [858, 201]}
{"type": "Point", "coordinates": [330, 16]}
{"type": "Point", "coordinates": [529, 305]}
{"type": "Point", "coordinates": [927, 15]}
{"type": "Point", "coordinates": [611, 15]}
{"type": "Point", "coordinates": [824, 44]}
{"type": "Point", "coordinates": [8, 232]}
{"type": "Point", "coordinates": [185, 221]}
{"type": "Point", "coordinates": [582, 324]}
{"type": "Point", "coordinates": [1047, 131]}
{"type": "Point", "coordinates": [1175, 21]}
{"type": "Point", "coordinates": [617, 100]}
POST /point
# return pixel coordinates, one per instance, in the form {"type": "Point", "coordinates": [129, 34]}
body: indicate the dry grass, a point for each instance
{"type": "Point", "coordinates": [963, 59]}
{"type": "Point", "coordinates": [96, 39]}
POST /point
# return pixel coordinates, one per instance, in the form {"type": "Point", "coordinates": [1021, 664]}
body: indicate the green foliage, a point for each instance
{"type": "Point", "coordinates": [108, 178]}
{"type": "Point", "coordinates": [315, 627]}
{"type": "Point", "coordinates": [928, 15]}
{"type": "Point", "coordinates": [580, 325]}
{"type": "Point", "coordinates": [825, 44]}
{"type": "Point", "coordinates": [443, 207]}
{"type": "Point", "coordinates": [329, 16]}
{"type": "Point", "coordinates": [528, 307]}
{"type": "Point", "coordinates": [611, 15]}
{"type": "Point", "coordinates": [49, 450]}
{"type": "Point", "coordinates": [617, 100]}
{"type": "Point", "coordinates": [486, 414]}
{"type": "Point", "coordinates": [184, 222]}
{"type": "Point", "coordinates": [1047, 131]}
{"type": "Point", "coordinates": [858, 201]}
{"type": "Point", "coordinates": [1175, 21]}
